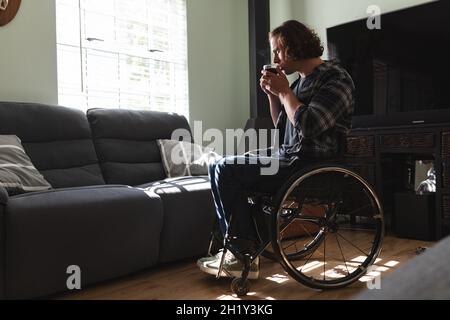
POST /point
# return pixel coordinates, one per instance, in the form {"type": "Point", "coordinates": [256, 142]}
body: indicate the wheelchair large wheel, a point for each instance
{"type": "Point", "coordinates": [327, 228]}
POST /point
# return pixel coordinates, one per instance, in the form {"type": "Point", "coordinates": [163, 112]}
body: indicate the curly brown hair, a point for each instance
{"type": "Point", "coordinates": [300, 41]}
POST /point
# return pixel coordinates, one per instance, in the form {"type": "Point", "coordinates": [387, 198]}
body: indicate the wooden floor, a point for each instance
{"type": "Point", "coordinates": [184, 281]}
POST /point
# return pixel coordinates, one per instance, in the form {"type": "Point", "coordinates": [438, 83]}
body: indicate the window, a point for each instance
{"type": "Point", "coordinates": [123, 54]}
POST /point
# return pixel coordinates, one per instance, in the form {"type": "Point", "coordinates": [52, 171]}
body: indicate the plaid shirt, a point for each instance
{"type": "Point", "coordinates": [324, 119]}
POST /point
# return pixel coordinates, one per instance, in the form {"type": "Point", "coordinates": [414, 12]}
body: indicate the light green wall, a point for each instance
{"type": "Point", "coordinates": [280, 11]}
{"type": "Point", "coordinates": [322, 14]}
{"type": "Point", "coordinates": [218, 53]}
{"type": "Point", "coordinates": [28, 54]}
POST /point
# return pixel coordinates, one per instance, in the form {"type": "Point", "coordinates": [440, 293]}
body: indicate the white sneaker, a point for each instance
{"type": "Point", "coordinates": [232, 265]}
{"type": "Point", "coordinates": [218, 255]}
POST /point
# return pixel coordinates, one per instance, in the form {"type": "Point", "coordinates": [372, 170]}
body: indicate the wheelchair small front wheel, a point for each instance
{"type": "Point", "coordinates": [240, 286]}
{"type": "Point", "coordinates": [328, 228]}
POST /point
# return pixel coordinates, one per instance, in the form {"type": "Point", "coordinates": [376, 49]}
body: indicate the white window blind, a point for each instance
{"type": "Point", "coordinates": [123, 54]}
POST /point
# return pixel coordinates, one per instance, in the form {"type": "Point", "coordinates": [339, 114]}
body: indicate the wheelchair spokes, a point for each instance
{"type": "Point", "coordinates": [325, 227]}
{"type": "Point", "coordinates": [300, 232]}
{"type": "Point", "coordinates": [334, 246]}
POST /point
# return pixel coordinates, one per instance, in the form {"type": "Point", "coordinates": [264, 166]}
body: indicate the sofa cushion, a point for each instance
{"type": "Point", "coordinates": [182, 158]}
{"type": "Point", "coordinates": [189, 213]}
{"type": "Point", "coordinates": [57, 139]}
{"type": "Point", "coordinates": [108, 231]}
{"type": "Point", "coordinates": [125, 141]}
{"type": "Point", "coordinates": [17, 173]}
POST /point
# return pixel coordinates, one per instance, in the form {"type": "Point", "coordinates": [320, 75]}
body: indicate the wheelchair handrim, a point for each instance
{"type": "Point", "coordinates": [283, 257]}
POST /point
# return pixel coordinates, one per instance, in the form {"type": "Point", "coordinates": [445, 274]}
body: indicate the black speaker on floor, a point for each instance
{"type": "Point", "coordinates": [415, 215]}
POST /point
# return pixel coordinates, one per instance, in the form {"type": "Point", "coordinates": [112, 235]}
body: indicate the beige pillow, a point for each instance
{"type": "Point", "coordinates": [182, 158]}
{"type": "Point", "coordinates": [17, 172]}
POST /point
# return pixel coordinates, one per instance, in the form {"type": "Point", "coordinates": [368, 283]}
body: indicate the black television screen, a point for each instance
{"type": "Point", "coordinates": [402, 67]}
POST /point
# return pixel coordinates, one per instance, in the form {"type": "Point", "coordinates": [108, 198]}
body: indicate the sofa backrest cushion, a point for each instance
{"type": "Point", "coordinates": [58, 141]}
{"type": "Point", "coordinates": [126, 146]}
{"type": "Point", "coordinates": [17, 172]}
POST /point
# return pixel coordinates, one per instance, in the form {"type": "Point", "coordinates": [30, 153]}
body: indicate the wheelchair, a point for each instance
{"type": "Point", "coordinates": [324, 226]}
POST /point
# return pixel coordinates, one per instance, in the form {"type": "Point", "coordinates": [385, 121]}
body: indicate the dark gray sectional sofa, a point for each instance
{"type": "Point", "coordinates": [110, 211]}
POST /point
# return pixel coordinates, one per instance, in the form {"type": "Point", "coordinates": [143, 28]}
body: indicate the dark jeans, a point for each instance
{"type": "Point", "coordinates": [233, 178]}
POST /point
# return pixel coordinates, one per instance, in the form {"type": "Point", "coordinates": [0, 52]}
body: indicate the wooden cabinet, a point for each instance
{"type": "Point", "coordinates": [361, 146]}
{"type": "Point", "coordinates": [380, 154]}
{"type": "Point", "coordinates": [405, 140]}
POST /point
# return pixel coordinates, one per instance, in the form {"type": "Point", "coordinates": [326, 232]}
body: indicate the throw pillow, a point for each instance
{"type": "Point", "coordinates": [17, 173]}
{"type": "Point", "coordinates": [182, 158]}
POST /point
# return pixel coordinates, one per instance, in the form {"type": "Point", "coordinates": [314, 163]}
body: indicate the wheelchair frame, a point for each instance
{"type": "Point", "coordinates": [271, 219]}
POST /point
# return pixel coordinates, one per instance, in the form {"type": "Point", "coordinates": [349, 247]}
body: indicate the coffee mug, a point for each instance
{"type": "Point", "coordinates": [270, 68]}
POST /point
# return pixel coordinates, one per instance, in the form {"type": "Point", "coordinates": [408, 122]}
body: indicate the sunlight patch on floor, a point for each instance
{"type": "Point", "coordinates": [227, 297]}
{"type": "Point", "coordinates": [278, 278]}
{"type": "Point", "coordinates": [370, 277]}
{"type": "Point", "coordinates": [339, 271]}
{"type": "Point", "coordinates": [376, 271]}
{"type": "Point", "coordinates": [363, 258]}
{"type": "Point", "coordinates": [380, 269]}
{"type": "Point", "coordinates": [310, 266]}
{"type": "Point", "coordinates": [235, 298]}
{"type": "Point", "coordinates": [392, 263]}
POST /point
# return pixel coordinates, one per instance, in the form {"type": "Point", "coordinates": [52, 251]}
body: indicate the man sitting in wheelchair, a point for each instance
{"type": "Point", "coordinates": [312, 115]}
